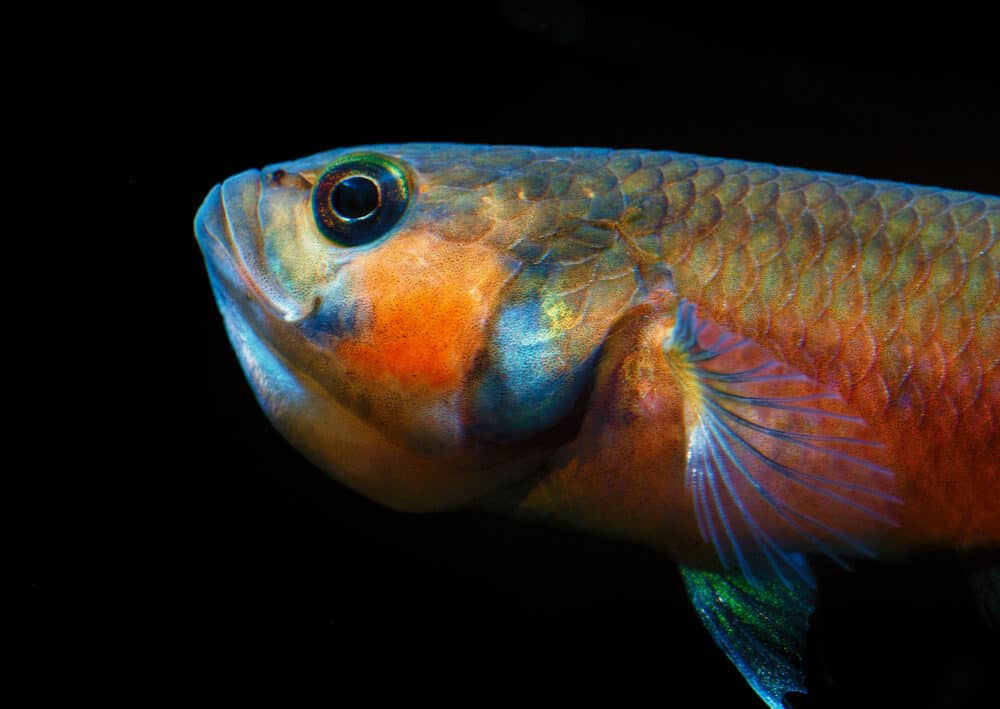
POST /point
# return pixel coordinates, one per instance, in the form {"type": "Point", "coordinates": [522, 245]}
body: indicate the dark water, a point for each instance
{"type": "Point", "coordinates": [200, 556]}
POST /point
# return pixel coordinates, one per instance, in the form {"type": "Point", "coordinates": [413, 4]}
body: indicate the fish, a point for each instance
{"type": "Point", "coordinates": [743, 366]}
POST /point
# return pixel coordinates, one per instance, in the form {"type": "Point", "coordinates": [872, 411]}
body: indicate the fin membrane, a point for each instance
{"type": "Point", "coordinates": [761, 628]}
{"type": "Point", "coordinates": [777, 463]}
{"type": "Point", "coordinates": [985, 581]}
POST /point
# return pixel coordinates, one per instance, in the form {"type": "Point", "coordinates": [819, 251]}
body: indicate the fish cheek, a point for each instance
{"type": "Point", "coordinates": [426, 303]}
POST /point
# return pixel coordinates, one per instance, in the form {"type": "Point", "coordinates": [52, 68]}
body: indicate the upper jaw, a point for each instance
{"type": "Point", "coordinates": [229, 232]}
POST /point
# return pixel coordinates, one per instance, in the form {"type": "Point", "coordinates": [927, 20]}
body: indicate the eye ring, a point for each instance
{"type": "Point", "coordinates": [359, 198]}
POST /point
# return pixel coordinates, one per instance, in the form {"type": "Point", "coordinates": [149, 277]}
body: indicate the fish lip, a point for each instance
{"type": "Point", "coordinates": [217, 250]}
{"type": "Point", "coordinates": [224, 258]}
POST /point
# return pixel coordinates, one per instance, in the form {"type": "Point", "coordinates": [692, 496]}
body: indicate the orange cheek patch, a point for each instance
{"type": "Point", "coordinates": [429, 301]}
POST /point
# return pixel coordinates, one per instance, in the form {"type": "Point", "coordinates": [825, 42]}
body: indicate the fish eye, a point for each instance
{"type": "Point", "coordinates": [359, 198]}
{"type": "Point", "coordinates": [355, 198]}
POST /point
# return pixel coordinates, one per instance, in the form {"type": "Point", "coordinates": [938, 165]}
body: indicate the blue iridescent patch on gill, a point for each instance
{"type": "Point", "coordinates": [530, 381]}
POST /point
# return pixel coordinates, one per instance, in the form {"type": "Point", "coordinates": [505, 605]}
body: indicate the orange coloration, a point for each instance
{"type": "Point", "coordinates": [429, 301]}
{"type": "Point", "coordinates": [886, 294]}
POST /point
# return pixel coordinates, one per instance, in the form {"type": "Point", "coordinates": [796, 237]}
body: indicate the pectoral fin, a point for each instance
{"type": "Point", "coordinates": [761, 628]}
{"type": "Point", "coordinates": [776, 462]}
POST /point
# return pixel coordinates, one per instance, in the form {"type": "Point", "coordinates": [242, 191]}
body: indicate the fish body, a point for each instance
{"type": "Point", "coordinates": [736, 363]}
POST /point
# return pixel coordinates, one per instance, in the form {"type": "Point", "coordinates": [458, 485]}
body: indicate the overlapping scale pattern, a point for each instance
{"type": "Point", "coordinates": [889, 292]}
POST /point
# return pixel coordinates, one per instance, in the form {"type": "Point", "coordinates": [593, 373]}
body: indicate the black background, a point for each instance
{"type": "Point", "coordinates": [198, 556]}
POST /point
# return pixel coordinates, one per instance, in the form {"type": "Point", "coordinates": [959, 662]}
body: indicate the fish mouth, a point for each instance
{"type": "Point", "coordinates": [228, 229]}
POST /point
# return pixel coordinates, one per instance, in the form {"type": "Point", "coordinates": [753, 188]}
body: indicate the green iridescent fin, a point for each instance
{"type": "Point", "coordinates": [761, 628]}
{"type": "Point", "coordinates": [777, 463]}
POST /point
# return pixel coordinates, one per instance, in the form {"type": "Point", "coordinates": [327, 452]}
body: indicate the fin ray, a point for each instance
{"type": "Point", "coordinates": [800, 477]}
{"type": "Point", "coordinates": [761, 627]}
{"type": "Point", "coordinates": [777, 463]}
{"type": "Point", "coordinates": [780, 509]}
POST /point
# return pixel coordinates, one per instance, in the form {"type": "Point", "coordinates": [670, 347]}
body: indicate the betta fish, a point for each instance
{"type": "Point", "coordinates": [740, 365]}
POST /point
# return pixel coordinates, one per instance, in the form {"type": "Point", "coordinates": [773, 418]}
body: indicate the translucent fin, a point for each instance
{"type": "Point", "coordinates": [761, 628]}
{"type": "Point", "coordinates": [777, 463]}
{"type": "Point", "coordinates": [984, 576]}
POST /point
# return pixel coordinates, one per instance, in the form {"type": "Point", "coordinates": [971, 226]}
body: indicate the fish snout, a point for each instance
{"type": "Point", "coordinates": [227, 218]}
{"type": "Point", "coordinates": [232, 240]}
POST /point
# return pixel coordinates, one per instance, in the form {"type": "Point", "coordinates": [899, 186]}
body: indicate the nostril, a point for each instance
{"type": "Point", "coordinates": [280, 178]}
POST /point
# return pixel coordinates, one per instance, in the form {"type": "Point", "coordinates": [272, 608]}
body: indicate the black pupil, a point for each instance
{"type": "Point", "coordinates": [355, 198]}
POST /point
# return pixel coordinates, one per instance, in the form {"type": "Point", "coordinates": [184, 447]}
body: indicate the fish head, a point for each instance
{"type": "Point", "coordinates": [386, 320]}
